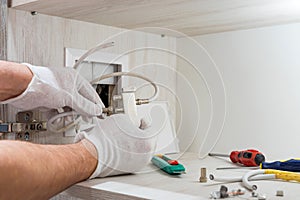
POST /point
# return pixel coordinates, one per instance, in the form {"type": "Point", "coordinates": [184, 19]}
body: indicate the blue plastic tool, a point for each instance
{"type": "Point", "coordinates": [292, 165]}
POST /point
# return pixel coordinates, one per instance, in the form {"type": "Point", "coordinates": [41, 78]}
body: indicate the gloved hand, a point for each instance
{"type": "Point", "coordinates": [122, 147]}
{"type": "Point", "coordinates": [55, 88]}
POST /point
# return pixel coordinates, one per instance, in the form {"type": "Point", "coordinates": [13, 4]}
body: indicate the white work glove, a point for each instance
{"type": "Point", "coordinates": [54, 88]}
{"type": "Point", "coordinates": [122, 147]}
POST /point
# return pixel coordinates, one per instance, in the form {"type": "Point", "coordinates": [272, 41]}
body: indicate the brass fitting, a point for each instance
{"type": "Point", "coordinates": [203, 178]}
{"type": "Point", "coordinates": [141, 101]}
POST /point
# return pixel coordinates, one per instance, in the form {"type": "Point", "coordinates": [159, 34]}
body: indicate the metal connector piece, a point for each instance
{"type": "Point", "coordinates": [203, 178]}
{"type": "Point", "coordinates": [108, 110]}
{"type": "Point", "coordinates": [141, 101]}
{"type": "Point", "coordinates": [5, 127]}
{"type": "Point", "coordinates": [22, 127]}
{"type": "Point", "coordinates": [25, 127]}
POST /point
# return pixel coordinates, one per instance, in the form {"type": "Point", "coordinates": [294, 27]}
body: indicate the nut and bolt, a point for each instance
{"type": "Point", "coordinates": [27, 136]}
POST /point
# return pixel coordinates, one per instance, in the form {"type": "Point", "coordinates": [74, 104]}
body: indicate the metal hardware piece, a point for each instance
{"type": "Point", "coordinates": [24, 117]}
{"type": "Point", "coordinates": [203, 178]}
{"type": "Point", "coordinates": [279, 193]}
{"type": "Point", "coordinates": [24, 127]}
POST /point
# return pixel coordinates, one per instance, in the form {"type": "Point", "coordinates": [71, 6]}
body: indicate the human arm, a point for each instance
{"type": "Point", "coordinates": [14, 79]}
{"type": "Point", "coordinates": [114, 146]}
{"type": "Point", "coordinates": [33, 171]}
{"type": "Point", "coordinates": [50, 88]}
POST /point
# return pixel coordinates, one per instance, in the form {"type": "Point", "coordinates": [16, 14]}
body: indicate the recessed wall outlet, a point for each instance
{"type": "Point", "coordinates": [96, 65]}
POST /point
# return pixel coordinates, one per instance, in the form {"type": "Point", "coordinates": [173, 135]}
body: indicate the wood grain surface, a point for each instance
{"type": "Point", "coordinates": [191, 17]}
{"type": "Point", "coordinates": [3, 47]}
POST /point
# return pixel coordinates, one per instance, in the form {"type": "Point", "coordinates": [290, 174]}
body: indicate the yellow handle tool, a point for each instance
{"type": "Point", "coordinates": [284, 175]}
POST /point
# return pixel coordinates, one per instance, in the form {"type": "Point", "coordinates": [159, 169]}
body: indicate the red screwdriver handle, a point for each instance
{"type": "Point", "coordinates": [234, 156]}
{"type": "Point", "coordinates": [249, 158]}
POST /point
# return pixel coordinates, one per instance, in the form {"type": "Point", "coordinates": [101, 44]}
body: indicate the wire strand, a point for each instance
{"type": "Point", "coordinates": [117, 74]}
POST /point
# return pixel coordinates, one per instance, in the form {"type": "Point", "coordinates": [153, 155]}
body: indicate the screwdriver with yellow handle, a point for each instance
{"type": "Point", "coordinates": [287, 176]}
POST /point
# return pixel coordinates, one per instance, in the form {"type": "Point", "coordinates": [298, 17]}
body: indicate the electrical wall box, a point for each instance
{"type": "Point", "coordinates": [96, 65]}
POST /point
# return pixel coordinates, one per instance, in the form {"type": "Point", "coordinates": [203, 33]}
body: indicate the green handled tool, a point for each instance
{"type": "Point", "coordinates": [168, 165]}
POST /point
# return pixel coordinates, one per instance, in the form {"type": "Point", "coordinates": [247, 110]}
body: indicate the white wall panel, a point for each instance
{"type": "Point", "coordinates": [261, 73]}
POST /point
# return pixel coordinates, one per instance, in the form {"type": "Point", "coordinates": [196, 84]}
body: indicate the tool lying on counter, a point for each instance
{"type": "Point", "coordinates": [284, 170]}
{"type": "Point", "coordinates": [168, 165]}
{"type": "Point", "coordinates": [248, 158]}
{"type": "Point", "coordinates": [292, 165]}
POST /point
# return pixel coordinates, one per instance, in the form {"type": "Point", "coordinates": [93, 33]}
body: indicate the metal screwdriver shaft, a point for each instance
{"type": "Point", "coordinates": [218, 154]}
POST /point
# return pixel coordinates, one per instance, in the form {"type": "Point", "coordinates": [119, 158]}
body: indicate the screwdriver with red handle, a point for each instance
{"type": "Point", "coordinates": [249, 158]}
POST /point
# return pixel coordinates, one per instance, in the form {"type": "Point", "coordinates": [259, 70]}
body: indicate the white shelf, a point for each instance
{"type": "Point", "coordinates": [191, 17]}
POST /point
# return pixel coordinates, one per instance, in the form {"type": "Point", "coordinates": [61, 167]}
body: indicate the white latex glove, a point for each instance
{"type": "Point", "coordinates": [54, 88]}
{"type": "Point", "coordinates": [122, 147]}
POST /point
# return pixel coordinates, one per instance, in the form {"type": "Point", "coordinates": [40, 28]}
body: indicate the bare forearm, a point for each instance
{"type": "Point", "coordinates": [32, 171]}
{"type": "Point", "coordinates": [14, 79]}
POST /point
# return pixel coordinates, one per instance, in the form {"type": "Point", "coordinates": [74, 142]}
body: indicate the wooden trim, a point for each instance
{"type": "Point", "coordinates": [3, 46]}
{"type": "Point", "coordinates": [3, 29]}
{"type": "Point", "coordinates": [82, 192]}
{"type": "Point", "coordinates": [191, 17]}
{"type": "Point", "coordinates": [14, 3]}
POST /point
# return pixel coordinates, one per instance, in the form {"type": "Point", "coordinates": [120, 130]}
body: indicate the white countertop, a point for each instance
{"type": "Point", "coordinates": [152, 183]}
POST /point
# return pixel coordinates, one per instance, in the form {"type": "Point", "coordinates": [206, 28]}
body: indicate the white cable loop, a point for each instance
{"type": "Point", "coordinates": [51, 127]}
{"type": "Point", "coordinates": [245, 179]}
{"type": "Point", "coordinates": [91, 51]}
{"type": "Point", "coordinates": [239, 178]}
{"type": "Point", "coordinates": [50, 124]}
{"type": "Point", "coordinates": [116, 74]}
{"type": "Point", "coordinates": [109, 44]}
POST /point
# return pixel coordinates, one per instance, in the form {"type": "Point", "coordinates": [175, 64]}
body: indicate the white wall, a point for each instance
{"type": "Point", "coordinates": [260, 69]}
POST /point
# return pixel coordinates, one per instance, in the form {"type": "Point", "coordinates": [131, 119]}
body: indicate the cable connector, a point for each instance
{"type": "Point", "coordinates": [142, 101]}
{"type": "Point", "coordinates": [108, 110]}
